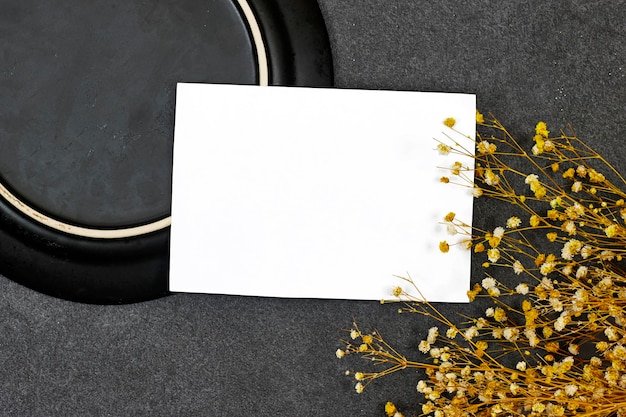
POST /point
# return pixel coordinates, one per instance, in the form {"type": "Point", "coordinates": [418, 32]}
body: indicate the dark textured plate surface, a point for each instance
{"type": "Point", "coordinates": [87, 107]}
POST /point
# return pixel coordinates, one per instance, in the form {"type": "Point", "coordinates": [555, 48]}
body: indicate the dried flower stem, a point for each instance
{"type": "Point", "coordinates": [552, 338]}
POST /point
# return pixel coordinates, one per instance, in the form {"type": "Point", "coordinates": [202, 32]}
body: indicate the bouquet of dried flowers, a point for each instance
{"type": "Point", "coordinates": [551, 338]}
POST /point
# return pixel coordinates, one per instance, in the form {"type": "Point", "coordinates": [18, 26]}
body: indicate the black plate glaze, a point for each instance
{"type": "Point", "coordinates": [87, 100]}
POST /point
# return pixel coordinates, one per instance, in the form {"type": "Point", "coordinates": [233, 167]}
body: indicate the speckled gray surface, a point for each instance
{"type": "Point", "coordinates": [203, 355]}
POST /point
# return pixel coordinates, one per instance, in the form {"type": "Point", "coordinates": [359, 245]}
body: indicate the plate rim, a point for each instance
{"type": "Point", "coordinates": [135, 267]}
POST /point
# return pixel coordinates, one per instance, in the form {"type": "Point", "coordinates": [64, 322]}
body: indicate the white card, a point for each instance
{"type": "Point", "coordinates": [315, 193]}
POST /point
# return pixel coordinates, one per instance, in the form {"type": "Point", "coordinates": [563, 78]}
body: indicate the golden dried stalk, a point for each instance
{"type": "Point", "coordinates": [551, 339]}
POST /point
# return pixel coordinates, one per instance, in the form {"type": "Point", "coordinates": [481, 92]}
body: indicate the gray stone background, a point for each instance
{"type": "Point", "coordinates": [204, 355]}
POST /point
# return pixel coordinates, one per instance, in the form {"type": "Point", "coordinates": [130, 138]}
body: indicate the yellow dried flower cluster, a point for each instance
{"type": "Point", "coordinates": [551, 340]}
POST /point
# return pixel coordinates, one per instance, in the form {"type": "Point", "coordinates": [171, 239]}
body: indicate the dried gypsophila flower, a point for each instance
{"type": "Point", "coordinates": [575, 296]}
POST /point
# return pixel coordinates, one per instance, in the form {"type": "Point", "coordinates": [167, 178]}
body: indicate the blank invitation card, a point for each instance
{"type": "Point", "coordinates": [316, 193]}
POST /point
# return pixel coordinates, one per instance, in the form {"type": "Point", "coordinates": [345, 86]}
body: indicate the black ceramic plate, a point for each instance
{"type": "Point", "coordinates": [87, 100]}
